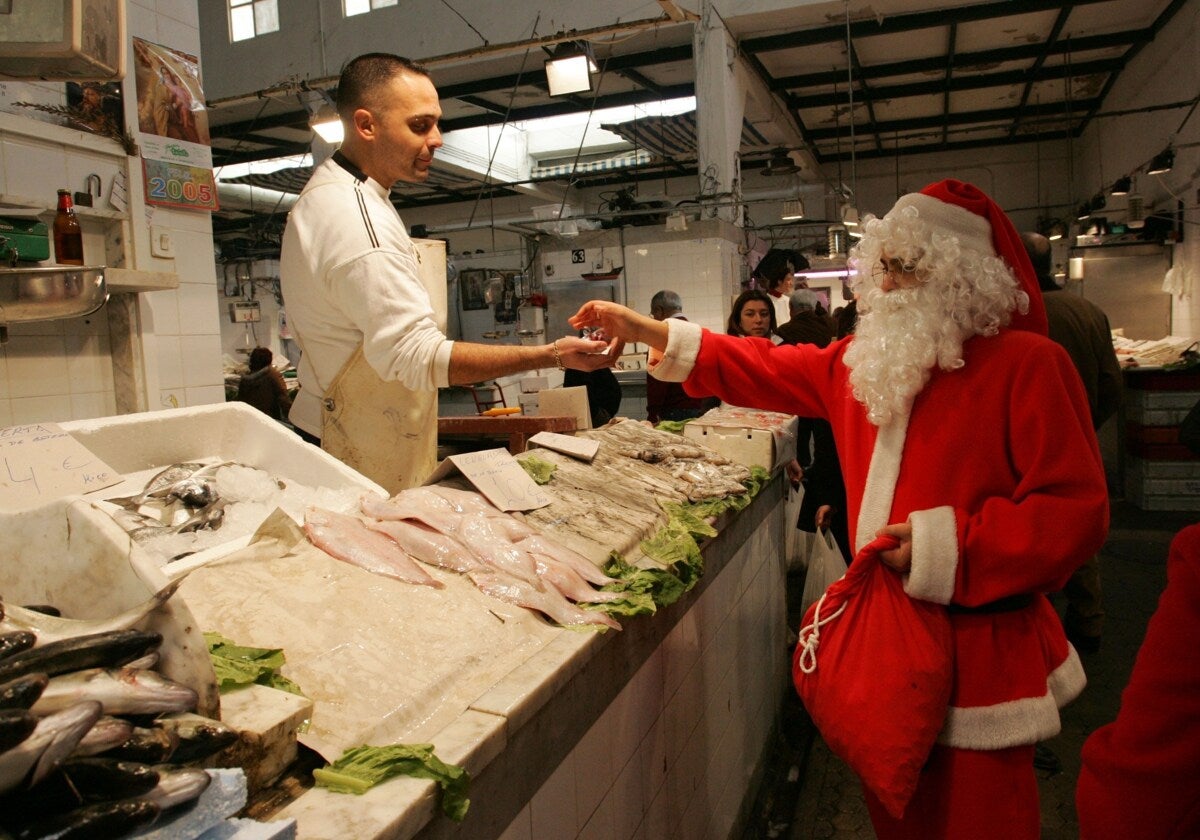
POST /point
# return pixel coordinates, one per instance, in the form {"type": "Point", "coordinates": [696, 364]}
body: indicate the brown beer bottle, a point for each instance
{"type": "Point", "coordinates": [68, 236]}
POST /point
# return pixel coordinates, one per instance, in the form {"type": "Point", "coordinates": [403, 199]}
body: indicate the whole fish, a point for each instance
{"type": "Point", "coordinates": [149, 745]}
{"type": "Point", "coordinates": [548, 602]}
{"type": "Point", "coordinates": [106, 733]}
{"type": "Point", "coordinates": [120, 691]}
{"type": "Point", "coordinates": [539, 544]}
{"type": "Point", "coordinates": [80, 781]}
{"type": "Point", "coordinates": [198, 737]}
{"type": "Point", "coordinates": [568, 582]}
{"type": "Point", "coordinates": [51, 628]}
{"type": "Point", "coordinates": [92, 822]}
{"type": "Point", "coordinates": [15, 641]}
{"type": "Point", "coordinates": [53, 739]}
{"type": "Point", "coordinates": [177, 787]}
{"type": "Point", "coordinates": [209, 518]}
{"type": "Point", "coordinates": [22, 692]}
{"type": "Point", "coordinates": [347, 538]}
{"type": "Point", "coordinates": [419, 503]}
{"type": "Point", "coordinates": [110, 649]}
{"type": "Point", "coordinates": [487, 542]}
{"type": "Point", "coordinates": [194, 491]}
{"type": "Point", "coordinates": [15, 726]}
{"type": "Point", "coordinates": [160, 483]}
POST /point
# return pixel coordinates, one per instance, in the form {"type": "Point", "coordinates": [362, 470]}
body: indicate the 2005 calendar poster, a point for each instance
{"type": "Point", "coordinates": [173, 124]}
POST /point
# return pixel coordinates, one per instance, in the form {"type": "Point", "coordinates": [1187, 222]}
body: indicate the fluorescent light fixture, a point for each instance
{"type": "Point", "coordinates": [676, 221]}
{"type": "Point", "coordinates": [850, 215]}
{"type": "Point", "coordinates": [1163, 161]}
{"type": "Point", "coordinates": [326, 122]}
{"type": "Point", "coordinates": [793, 209]}
{"type": "Point", "coordinates": [825, 273]}
{"type": "Point", "coordinates": [570, 69]}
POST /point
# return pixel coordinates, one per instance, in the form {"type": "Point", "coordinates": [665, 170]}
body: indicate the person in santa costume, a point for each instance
{"type": "Point", "coordinates": [963, 431]}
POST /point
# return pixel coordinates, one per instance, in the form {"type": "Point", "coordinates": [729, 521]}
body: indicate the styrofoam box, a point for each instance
{"type": "Point", "coordinates": [533, 384]}
{"type": "Point", "coordinates": [746, 446]}
{"type": "Point", "coordinates": [230, 431]}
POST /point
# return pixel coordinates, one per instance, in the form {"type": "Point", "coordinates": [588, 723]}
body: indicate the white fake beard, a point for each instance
{"type": "Point", "coordinates": [900, 336]}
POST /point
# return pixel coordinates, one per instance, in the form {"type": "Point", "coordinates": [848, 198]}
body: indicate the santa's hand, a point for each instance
{"type": "Point", "coordinates": [585, 354]}
{"type": "Point", "coordinates": [620, 323]}
{"type": "Point", "coordinates": [899, 558]}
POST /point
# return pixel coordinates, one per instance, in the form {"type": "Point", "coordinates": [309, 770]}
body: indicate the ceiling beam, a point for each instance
{"type": "Point", "coordinates": [1051, 38]}
{"type": "Point", "coordinates": [555, 109]}
{"type": "Point", "coordinates": [1050, 109]}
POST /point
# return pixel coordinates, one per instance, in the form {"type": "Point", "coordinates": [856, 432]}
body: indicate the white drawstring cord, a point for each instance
{"type": "Point", "coordinates": [808, 655]}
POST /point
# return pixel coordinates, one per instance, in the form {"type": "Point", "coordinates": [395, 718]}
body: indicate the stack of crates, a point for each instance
{"type": "Point", "coordinates": [1160, 472]}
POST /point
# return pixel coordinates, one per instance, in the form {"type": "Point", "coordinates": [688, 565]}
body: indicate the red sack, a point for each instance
{"type": "Point", "coordinates": [873, 666]}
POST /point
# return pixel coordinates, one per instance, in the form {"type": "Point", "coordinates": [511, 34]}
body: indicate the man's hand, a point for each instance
{"type": "Point", "coordinates": [900, 558]}
{"type": "Point", "coordinates": [587, 355]}
{"type": "Point", "coordinates": [824, 516]}
{"type": "Point", "coordinates": [620, 323]}
{"type": "Point", "coordinates": [795, 472]}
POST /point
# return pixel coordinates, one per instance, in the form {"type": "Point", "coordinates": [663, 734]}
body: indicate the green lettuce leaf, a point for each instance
{"type": "Point", "coordinates": [361, 768]}
{"type": "Point", "coordinates": [539, 470]}
{"type": "Point", "coordinates": [237, 665]}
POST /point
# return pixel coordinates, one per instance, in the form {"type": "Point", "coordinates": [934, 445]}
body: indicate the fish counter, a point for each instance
{"type": "Point", "coordinates": [606, 663]}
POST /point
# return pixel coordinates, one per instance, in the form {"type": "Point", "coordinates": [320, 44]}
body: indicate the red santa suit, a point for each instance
{"type": "Point", "coordinates": [1140, 775]}
{"type": "Point", "coordinates": [997, 470]}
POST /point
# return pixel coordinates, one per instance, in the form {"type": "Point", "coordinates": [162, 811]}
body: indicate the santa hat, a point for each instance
{"type": "Point", "coordinates": [964, 211]}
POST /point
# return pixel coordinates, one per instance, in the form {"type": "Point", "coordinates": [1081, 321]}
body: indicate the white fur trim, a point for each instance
{"type": "Point", "coordinates": [881, 480]}
{"type": "Point", "coordinates": [683, 347]}
{"type": "Point", "coordinates": [934, 555]}
{"type": "Point", "coordinates": [1016, 722]}
{"type": "Point", "coordinates": [974, 232]}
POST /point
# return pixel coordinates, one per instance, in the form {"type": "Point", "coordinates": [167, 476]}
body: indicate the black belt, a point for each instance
{"type": "Point", "coordinates": [1009, 604]}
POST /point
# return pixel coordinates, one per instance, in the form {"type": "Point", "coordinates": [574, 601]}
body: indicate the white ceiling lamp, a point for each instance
{"type": "Point", "coordinates": [570, 68]}
{"type": "Point", "coordinates": [793, 210]}
{"type": "Point", "coordinates": [325, 120]}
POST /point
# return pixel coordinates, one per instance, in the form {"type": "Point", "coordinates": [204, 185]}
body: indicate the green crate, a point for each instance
{"type": "Point", "coordinates": [29, 238]}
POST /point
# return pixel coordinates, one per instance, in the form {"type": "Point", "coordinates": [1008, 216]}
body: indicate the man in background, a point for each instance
{"type": "Point", "coordinates": [1082, 329]}
{"type": "Point", "coordinates": [667, 400]}
{"type": "Point", "coordinates": [372, 356]}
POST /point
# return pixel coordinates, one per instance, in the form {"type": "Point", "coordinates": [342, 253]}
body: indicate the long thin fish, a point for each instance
{"type": "Point", "coordinates": [177, 787]}
{"type": "Point", "coordinates": [109, 649]}
{"type": "Point", "coordinates": [51, 628]}
{"type": "Point", "coordinates": [348, 539]}
{"type": "Point", "coordinates": [53, 740]}
{"type": "Point", "coordinates": [104, 819]}
{"type": "Point", "coordinates": [15, 641]}
{"type": "Point", "coordinates": [80, 781]}
{"type": "Point", "coordinates": [22, 692]}
{"type": "Point", "coordinates": [548, 602]}
{"type": "Point", "coordinates": [15, 726]}
{"type": "Point", "coordinates": [106, 733]}
{"type": "Point", "coordinates": [569, 583]}
{"type": "Point", "coordinates": [198, 737]}
{"type": "Point", "coordinates": [120, 691]}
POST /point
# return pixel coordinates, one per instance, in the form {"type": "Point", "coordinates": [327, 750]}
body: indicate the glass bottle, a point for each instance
{"type": "Point", "coordinates": [68, 236]}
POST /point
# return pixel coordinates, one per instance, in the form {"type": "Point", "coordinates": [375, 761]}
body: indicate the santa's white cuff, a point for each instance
{"type": "Point", "coordinates": [934, 555]}
{"type": "Point", "coordinates": [683, 347]}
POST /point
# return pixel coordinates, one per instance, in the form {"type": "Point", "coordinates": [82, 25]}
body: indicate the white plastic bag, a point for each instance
{"type": "Point", "coordinates": [825, 565]}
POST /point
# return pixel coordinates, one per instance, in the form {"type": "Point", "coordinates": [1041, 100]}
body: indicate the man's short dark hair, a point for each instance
{"type": "Point", "coordinates": [363, 75]}
{"type": "Point", "coordinates": [1038, 249]}
{"type": "Point", "coordinates": [773, 268]}
{"type": "Point", "coordinates": [667, 301]}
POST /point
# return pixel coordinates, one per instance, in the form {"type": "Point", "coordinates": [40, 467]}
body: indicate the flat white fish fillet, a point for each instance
{"type": "Point", "coordinates": [490, 544]}
{"type": "Point", "coordinates": [348, 538]}
{"type": "Point", "coordinates": [548, 601]}
{"type": "Point", "coordinates": [539, 544]}
{"type": "Point", "coordinates": [427, 545]}
{"type": "Point", "coordinates": [419, 503]}
{"type": "Point", "coordinates": [568, 582]}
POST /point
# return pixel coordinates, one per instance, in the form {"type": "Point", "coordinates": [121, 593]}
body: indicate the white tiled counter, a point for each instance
{"type": "Point", "coordinates": [657, 731]}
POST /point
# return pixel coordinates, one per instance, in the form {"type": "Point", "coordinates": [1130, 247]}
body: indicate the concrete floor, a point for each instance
{"type": "Point", "coordinates": [810, 794]}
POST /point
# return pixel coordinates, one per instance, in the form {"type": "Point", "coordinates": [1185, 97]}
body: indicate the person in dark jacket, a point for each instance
{"type": "Point", "coordinates": [263, 387]}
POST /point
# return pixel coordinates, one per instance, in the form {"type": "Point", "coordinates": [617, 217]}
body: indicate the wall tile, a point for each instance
{"type": "Point", "coordinates": [205, 395]}
{"type": "Point", "coordinates": [40, 409]}
{"type": "Point", "coordinates": [169, 357]}
{"type": "Point", "coordinates": [160, 312]}
{"type": "Point", "coordinates": [34, 171]}
{"type": "Point", "coordinates": [37, 367]}
{"type": "Point", "coordinates": [94, 324]}
{"type": "Point", "coordinates": [198, 308]}
{"type": "Point", "coordinates": [171, 398]}
{"type": "Point", "coordinates": [91, 406]}
{"type": "Point", "coordinates": [520, 828]}
{"type": "Point", "coordinates": [599, 825]}
{"type": "Point", "coordinates": [201, 360]}
{"type": "Point", "coordinates": [552, 809]}
{"type": "Point", "coordinates": [594, 765]}
{"type": "Point", "coordinates": [89, 365]}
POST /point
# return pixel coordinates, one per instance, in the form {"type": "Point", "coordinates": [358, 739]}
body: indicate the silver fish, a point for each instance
{"type": "Point", "coordinates": [55, 737]}
{"type": "Point", "coordinates": [120, 691]}
{"type": "Point", "coordinates": [177, 787]}
{"type": "Point", "coordinates": [50, 628]}
{"type": "Point", "coordinates": [198, 736]}
{"type": "Point", "coordinates": [160, 484]}
{"type": "Point", "coordinates": [106, 733]}
{"type": "Point", "coordinates": [209, 518]}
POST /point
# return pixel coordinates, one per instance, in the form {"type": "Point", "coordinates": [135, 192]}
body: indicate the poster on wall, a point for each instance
{"type": "Point", "coordinates": [173, 127]}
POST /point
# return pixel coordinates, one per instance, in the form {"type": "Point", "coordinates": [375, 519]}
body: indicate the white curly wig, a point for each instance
{"type": "Point", "coordinates": [965, 290]}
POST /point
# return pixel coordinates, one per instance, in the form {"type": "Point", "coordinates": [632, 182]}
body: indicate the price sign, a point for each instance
{"type": "Point", "coordinates": [498, 476]}
{"type": "Point", "coordinates": [40, 462]}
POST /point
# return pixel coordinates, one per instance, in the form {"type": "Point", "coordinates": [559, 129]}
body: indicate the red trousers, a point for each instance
{"type": "Point", "coordinates": [968, 795]}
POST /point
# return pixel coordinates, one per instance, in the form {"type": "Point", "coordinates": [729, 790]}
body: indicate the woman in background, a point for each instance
{"type": "Point", "coordinates": [753, 315]}
{"type": "Point", "coordinates": [263, 386]}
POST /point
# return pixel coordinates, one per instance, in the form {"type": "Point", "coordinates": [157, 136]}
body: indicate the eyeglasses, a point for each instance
{"type": "Point", "coordinates": [892, 268]}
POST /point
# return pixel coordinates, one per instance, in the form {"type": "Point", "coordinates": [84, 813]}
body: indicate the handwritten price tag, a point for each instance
{"type": "Point", "coordinates": [41, 462]}
{"type": "Point", "coordinates": [498, 476]}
